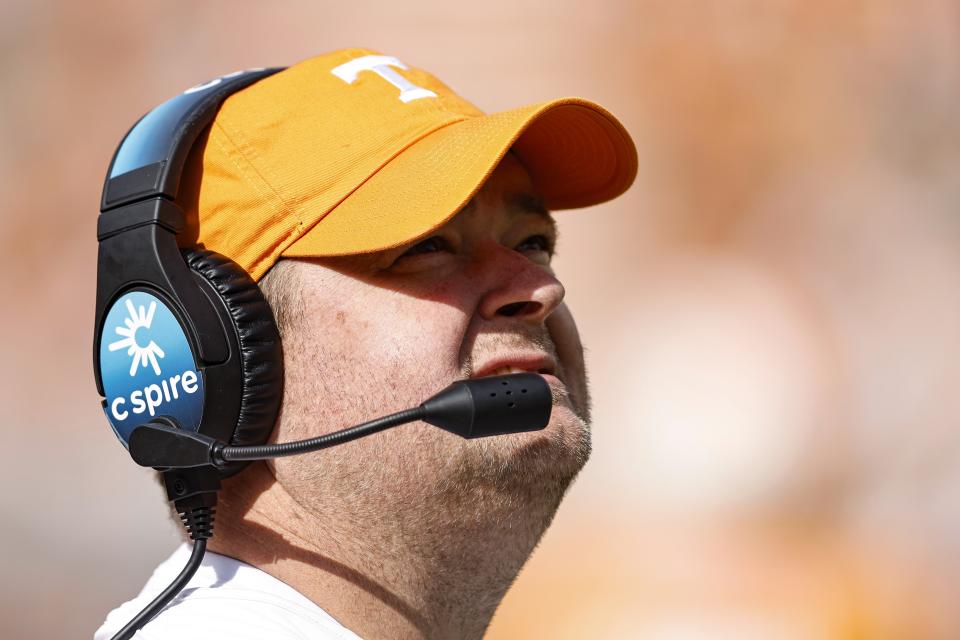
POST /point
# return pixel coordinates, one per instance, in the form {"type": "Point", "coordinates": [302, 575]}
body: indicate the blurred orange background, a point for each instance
{"type": "Point", "coordinates": [773, 336]}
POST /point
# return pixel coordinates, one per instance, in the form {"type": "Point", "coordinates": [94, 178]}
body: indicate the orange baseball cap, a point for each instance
{"type": "Point", "coordinates": [353, 152]}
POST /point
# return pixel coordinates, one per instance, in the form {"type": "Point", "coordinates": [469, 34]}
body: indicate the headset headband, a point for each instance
{"type": "Point", "coordinates": [150, 160]}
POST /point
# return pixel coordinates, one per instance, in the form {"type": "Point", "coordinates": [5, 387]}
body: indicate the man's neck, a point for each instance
{"type": "Point", "coordinates": [398, 575]}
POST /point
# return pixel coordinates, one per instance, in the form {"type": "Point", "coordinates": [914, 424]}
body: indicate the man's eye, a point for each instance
{"type": "Point", "coordinates": [536, 243]}
{"type": "Point", "coordinates": [432, 244]}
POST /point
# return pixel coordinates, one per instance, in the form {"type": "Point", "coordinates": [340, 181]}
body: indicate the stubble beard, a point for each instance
{"type": "Point", "coordinates": [532, 470]}
{"type": "Point", "coordinates": [494, 502]}
{"type": "Point", "coordinates": [527, 471]}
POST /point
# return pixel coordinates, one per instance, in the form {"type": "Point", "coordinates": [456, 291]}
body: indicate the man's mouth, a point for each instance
{"type": "Point", "coordinates": [518, 363]}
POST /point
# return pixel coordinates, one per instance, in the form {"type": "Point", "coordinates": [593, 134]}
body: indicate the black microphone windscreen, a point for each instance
{"type": "Point", "coordinates": [493, 405]}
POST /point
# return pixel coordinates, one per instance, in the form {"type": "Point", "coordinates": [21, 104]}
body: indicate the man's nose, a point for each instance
{"type": "Point", "coordinates": [519, 288]}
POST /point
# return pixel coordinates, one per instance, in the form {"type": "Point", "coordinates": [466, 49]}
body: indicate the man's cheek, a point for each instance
{"type": "Point", "coordinates": [566, 339]}
{"type": "Point", "coordinates": [411, 360]}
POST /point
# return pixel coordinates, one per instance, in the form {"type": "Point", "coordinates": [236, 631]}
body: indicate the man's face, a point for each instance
{"type": "Point", "coordinates": [384, 331]}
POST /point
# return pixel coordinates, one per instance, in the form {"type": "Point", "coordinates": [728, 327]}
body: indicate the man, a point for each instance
{"type": "Point", "coordinates": [416, 245]}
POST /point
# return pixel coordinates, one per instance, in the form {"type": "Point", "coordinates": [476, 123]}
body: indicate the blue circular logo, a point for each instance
{"type": "Point", "coordinates": [147, 367]}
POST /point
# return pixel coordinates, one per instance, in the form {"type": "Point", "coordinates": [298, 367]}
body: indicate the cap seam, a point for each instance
{"type": "Point", "coordinates": [280, 210]}
{"type": "Point", "coordinates": [248, 153]}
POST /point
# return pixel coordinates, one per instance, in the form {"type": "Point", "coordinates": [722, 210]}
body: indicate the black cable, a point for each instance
{"type": "Point", "coordinates": [263, 452]}
{"type": "Point", "coordinates": [152, 609]}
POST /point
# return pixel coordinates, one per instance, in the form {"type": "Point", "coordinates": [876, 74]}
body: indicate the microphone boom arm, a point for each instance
{"type": "Point", "coordinates": [479, 407]}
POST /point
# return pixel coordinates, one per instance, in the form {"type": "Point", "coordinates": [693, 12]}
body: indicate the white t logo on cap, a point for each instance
{"type": "Point", "coordinates": [380, 65]}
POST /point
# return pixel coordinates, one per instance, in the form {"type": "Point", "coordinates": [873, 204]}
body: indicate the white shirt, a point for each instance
{"type": "Point", "coordinates": [226, 598]}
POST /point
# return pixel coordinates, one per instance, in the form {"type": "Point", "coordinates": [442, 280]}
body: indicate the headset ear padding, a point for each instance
{"type": "Point", "coordinates": [261, 354]}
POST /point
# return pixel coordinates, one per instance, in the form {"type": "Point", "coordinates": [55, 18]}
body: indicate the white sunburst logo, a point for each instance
{"type": "Point", "coordinates": [142, 356]}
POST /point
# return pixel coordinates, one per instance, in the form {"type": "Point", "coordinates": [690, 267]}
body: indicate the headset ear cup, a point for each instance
{"type": "Point", "coordinates": [261, 354]}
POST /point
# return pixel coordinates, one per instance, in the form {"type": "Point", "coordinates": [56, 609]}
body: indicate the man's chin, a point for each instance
{"type": "Point", "coordinates": [563, 445]}
{"type": "Point", "coordinates": [535, 465]}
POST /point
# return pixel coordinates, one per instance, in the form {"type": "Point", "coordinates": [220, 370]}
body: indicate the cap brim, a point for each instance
{"type": "Point", "coordinates": [576, 152]}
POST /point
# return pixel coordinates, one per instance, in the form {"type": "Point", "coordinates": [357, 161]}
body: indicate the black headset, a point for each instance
{"type": "Point", "coordinates": [226, 323]}
{"type": "Point", "coordinates": [197, 393]}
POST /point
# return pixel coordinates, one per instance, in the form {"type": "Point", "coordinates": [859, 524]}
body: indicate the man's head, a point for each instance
{"type": "Point", "coordinates": [404, 241]}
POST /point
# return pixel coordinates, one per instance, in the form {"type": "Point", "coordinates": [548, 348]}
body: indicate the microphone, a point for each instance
{"type": "Point", "coordinates": [491, 406]}
{"type": "Point", "coordinates": [475, 408]}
